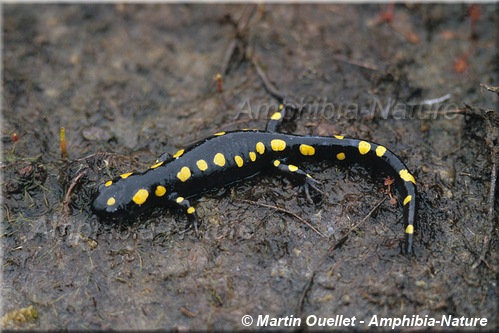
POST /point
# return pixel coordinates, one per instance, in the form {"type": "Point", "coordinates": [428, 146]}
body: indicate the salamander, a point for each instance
{"type": "Point", "coordinates": [229, 157]}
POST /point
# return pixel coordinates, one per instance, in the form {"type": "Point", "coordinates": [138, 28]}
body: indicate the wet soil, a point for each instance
{"type": "Point", "coordinates": [130, 82]}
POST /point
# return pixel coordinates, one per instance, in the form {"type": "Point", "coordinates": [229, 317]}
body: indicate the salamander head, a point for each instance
{"type": "Point", "coordinates": [120, 199]}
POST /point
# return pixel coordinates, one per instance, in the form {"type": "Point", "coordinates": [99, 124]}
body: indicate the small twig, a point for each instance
{"type": "Point", "coordinates": [239, 39]}
{"type": "Point", "coordinates": [472, 176]}
{"type": "Point", "coordinates": [240, 42]}
{"type": "Point", "coordinates": [493, 181]}
{"type": "Point", "coordinates": [492, 122]}
{"type": "Point", "coordinates": [186, 312]}
{"type": "Point", "coordinates": [355, 62]}
{"type": "Point", "coordinates": [228, 56]}
{"type": "Point", "coordinates": [489, 88]}
{"type": "Point", "coordinates": [481, 258]}
{"type": "Point", "coordinates": [269, 86]}
{"type": "Point", "coordinates": [449, 112]}
{"type": "Point", "coordinates": [333, 247]}
{"type": "Point", "coordinates": [285, 211]}
{"type": "Point", "coordinates": [99, 154]}
{"type": "Point", "coordinates": [490, 215]}
{"type": "Point", "coordinates": [282, 97]}
{"type": "Point", "coordinates": [67, 197]}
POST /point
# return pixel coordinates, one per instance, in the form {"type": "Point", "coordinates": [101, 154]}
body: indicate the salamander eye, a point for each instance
{"type": "Point", "coordinates": [101, 187]}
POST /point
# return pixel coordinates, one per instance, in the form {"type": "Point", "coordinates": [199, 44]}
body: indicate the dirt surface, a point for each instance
{"type": "Point", "coordinates": [129, 82]}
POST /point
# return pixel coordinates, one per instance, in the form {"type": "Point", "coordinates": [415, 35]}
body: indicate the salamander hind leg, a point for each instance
{"type": "Point", "coordinates": [164, 157]}
{"type": "Point", "coordinates": [304, 179]}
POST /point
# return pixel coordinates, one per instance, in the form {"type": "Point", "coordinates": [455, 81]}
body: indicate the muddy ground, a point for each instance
{"type": "Point", "coordinates": [129, 82]}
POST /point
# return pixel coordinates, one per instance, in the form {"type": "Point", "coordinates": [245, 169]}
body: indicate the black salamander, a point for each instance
{"type": "Point", "coordinates": [228, 157]}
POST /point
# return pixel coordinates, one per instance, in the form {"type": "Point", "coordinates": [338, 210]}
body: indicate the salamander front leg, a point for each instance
{"type": "Point", "coordinates": [306, 181]}
{"type": "Point", "coordinates": [276, 119]}
{"type": "Point", "coordinates": [186, 207]}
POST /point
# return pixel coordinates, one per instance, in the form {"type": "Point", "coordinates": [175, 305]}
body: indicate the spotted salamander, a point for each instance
{"type": "Point", "coordinates": [228, 157]}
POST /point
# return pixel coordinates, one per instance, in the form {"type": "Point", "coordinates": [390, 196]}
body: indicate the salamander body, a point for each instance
{"type": "Point", "coordinates": [228, 157]}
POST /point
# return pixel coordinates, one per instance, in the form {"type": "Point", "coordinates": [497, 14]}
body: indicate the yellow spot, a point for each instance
{"type": "Point", "coordinates": [340, 156]}
{"type": "Point", "coordinates": [125, 175]}
{"type": "Point", "coordinates": [190, 210]}
{"type": "Point", "coordinates": [252, 156]}
{"type": "Point", "coordinates": [339, 137]}
{"type": "Point", "coordinates": [179, 153]}
{"type": "Point", "coordinates": [307, 150]}
{"type": "Point", "coordinates": [219, 159]}
{"type": "Point", "coordinates": [202, 165]}
{"type": "Point", "coordinates": [111, 201]}
{"type": "Point", "coordinates": [407, 199]}
{"type": "Point", "coordinates": [380, 151]}
{"type": "Point", "coordinates": [160, 191]}
{"type": "Point", "coordinates": [184, 174]}
{"type": "Point", "coordinates": [108, 183]}
{"type": "Point", "coordinates": [239, 161]}
{"type": "Point", "coordinates": [409, 229]}
{"type": "Point", "coordinates": [281, 106]}
{"type": "Point", "coordinates": [219, 133]}
{"type": "Point", "coordinates": [260, 148]}
{"type": "Point", "coordinates": [157, 165]}
{"type": "Point", "coordinates": [180, 199]}
{"type": "Point", "coordinates": [292, 168]}
{"type": "Point", "coordinates": [278, 145]}
{"type": "Point", "coordinates": [364, 147]}
{"type": "Point", "coordinates": [406, 176]}
{"type": "Point", "coordinates": [276, 163]}
{"type": "Point", "coordinates": [140, 197]}
{"type": "Point", "coordinates": [276, 116]}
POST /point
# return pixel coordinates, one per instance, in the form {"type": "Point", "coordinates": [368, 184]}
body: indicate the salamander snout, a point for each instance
{"type": "Point", "coordinates": [110, 201]}
{"type": "Point", "coordinates": [105, 204]}
{"type": "Point", "coordinates": [122, 198]}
